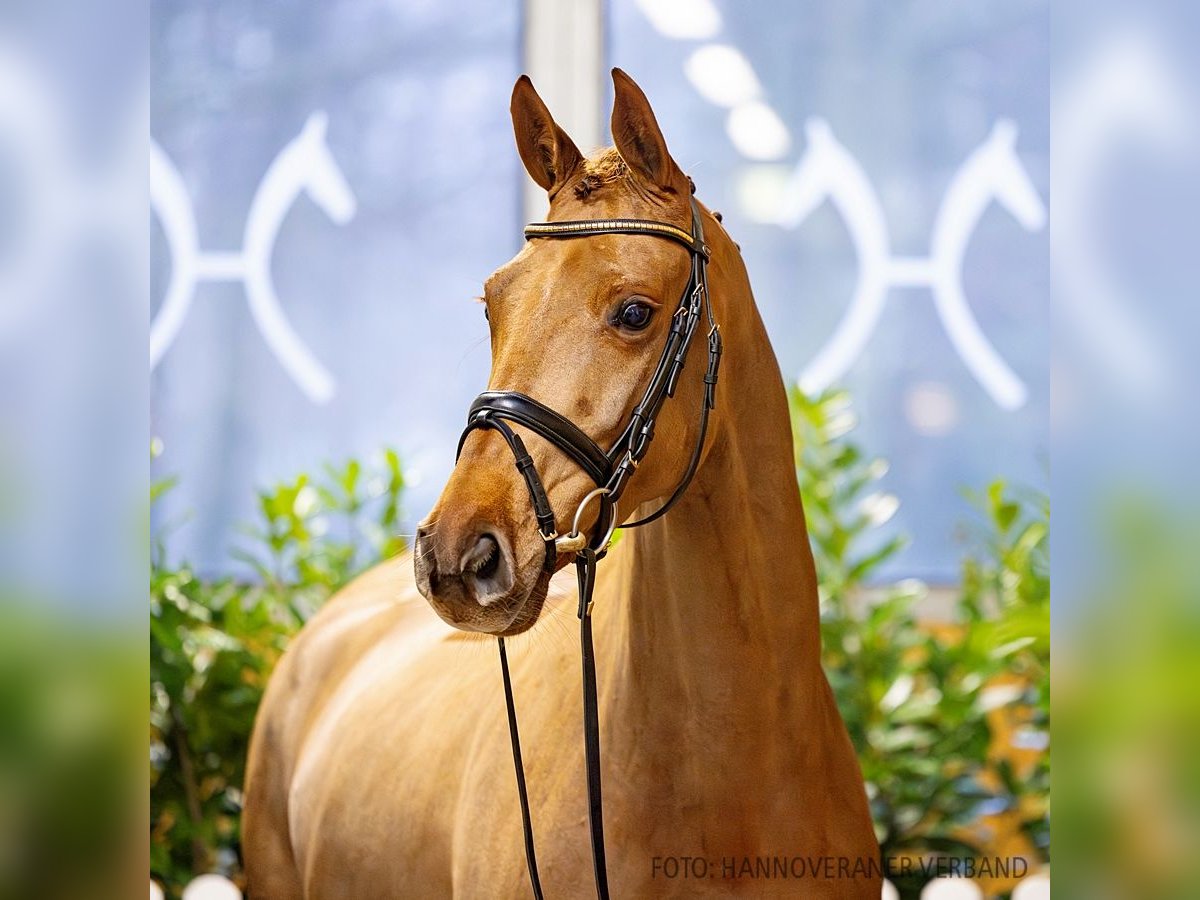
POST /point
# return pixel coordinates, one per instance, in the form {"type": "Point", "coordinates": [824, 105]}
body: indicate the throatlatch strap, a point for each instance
{"type": "Point", "coordinates": [526, 823]}
{"type": "Point", "coordinates": [585, 568]}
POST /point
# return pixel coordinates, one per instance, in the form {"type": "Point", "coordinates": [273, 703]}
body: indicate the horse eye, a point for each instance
{"type": "Point", "coordinates": [635, 316]}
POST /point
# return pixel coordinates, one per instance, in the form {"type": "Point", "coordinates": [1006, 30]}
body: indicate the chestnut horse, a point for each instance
{"type": "Point", "coordinates": [380, 764]}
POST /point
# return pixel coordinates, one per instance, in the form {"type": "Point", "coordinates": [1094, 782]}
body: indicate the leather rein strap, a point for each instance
{"type": "Point", "coordinates": [610, 470]}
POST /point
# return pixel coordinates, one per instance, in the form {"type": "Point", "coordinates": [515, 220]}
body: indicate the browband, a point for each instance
{"type": "Point", "coordinates": [589, 227]}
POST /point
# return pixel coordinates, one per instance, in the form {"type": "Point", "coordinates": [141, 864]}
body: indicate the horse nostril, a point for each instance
{"type": "Point", "coordinates": [487, 569]}
{"type": "Point", "coordinates": [483, 559]}
{"type": "Point", "coordinates": [423, 535]}
{"type": "Point", "coordinates": [491, 563]}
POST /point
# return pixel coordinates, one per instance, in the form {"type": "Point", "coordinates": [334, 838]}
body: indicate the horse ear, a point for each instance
{"type": "Point", "coordinates": [638, 138]}
{"type": "Point", "coordinates": [549, 155]}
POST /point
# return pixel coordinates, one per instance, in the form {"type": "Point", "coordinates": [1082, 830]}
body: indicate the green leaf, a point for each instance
{"type": "Point", "coordinates": [162, 487]}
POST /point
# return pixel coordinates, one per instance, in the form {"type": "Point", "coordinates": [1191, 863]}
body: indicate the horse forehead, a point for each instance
{"type": "Point", "coordinates": [550, 267]}
{"type": "Point", "coordinates": [504, 275]}
{"type": "Point", "coordinates": [538, 264]}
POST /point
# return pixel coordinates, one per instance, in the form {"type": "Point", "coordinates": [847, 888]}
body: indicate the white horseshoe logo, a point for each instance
{"type": "Point", "coordinates": [304, 165]}
{"type": "Point", "coordinates": [992, 172]}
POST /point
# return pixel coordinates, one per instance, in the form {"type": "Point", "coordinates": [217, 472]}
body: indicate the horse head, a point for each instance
{"type": "Point", "coordinates": [578, 325]}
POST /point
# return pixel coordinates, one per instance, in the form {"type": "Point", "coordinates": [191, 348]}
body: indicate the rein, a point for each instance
{"type": "Point", "coordinates": [610, 470]}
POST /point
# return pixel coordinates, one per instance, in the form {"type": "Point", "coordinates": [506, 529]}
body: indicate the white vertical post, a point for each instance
{"type": "Point", "coordinates": [564, 55]}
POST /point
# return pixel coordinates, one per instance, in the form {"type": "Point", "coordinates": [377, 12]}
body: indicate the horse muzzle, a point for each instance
{"type": "Point", "coordinates": [475, 560]}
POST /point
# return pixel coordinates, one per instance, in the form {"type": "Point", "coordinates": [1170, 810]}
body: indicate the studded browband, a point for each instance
{"type": "Point", "coordinates": [591, 227]}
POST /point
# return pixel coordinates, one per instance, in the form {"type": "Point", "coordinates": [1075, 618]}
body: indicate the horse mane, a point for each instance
{"type": "Point", "coordinates": [603, 167]}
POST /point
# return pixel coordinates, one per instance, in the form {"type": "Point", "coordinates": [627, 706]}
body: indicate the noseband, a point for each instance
{"type": "Point", "coordinates": [610, 471]}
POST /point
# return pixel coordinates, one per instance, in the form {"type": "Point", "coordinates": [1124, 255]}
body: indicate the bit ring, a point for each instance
{"type": "Point", "coordinates": [574, 541]}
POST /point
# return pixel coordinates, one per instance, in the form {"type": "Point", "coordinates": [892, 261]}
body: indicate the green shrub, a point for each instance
{"type": "Point", "coordinates": [214, 642]}
{"type": "Point", "coordinates": [70, 751]}
{"type": "Point", "coordinates": [917, 700]}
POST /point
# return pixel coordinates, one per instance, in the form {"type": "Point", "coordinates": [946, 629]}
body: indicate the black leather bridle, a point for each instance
{"type": "Point", "coordinates": [611, 471]}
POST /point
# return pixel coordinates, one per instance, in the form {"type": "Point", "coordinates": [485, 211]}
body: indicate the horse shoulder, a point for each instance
{"type": "Point", "coordinates": [315, 663]}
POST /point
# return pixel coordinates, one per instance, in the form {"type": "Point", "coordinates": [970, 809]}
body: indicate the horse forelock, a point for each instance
{"type": "Point", "coordinates": [601, 168]}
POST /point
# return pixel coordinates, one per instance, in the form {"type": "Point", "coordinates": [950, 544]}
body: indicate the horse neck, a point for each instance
{"type": "Point", "coordinates": [718, 599]}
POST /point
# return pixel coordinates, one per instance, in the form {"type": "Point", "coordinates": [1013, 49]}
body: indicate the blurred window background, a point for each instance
{"type": "Point", "coordinates": [836, 138]}
{"type": "Point", "coordinates": [335, 318]}
{"type": "Point", "coordinates": [885, 170]}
